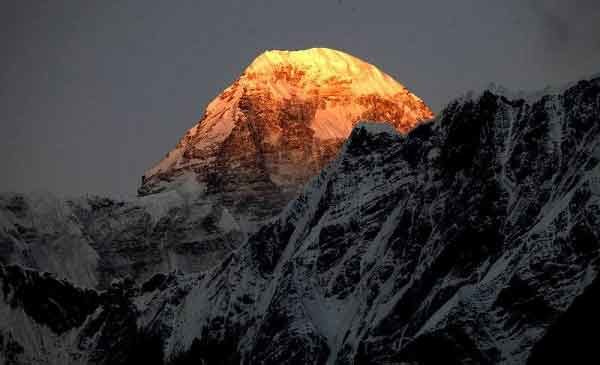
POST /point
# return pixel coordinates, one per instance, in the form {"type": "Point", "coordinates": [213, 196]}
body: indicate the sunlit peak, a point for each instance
{"type": "Point", "coordinates": [324, 64]}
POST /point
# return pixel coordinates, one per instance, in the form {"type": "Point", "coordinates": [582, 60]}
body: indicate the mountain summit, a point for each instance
{"type": "Point", "coordinates": [278, 125]}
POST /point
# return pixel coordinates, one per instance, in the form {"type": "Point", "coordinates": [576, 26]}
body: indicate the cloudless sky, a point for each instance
{"type": "Point", "coordinates": [92, 93]}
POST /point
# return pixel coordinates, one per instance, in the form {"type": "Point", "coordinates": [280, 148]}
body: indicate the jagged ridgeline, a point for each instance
{"type": "Point", "coordinates": [471, 240]}
{"type": "Point", "coordinates": [257, 144]}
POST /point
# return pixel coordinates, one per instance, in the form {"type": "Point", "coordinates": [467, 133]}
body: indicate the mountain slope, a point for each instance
{"type": "Point", "coordinates": [471, 236]}
{"type": "Point", "coordinates": [92, 241]}
{"type": "Point", "coordinates": [466, 241]}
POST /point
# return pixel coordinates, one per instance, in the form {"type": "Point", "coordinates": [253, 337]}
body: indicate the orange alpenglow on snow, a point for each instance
{"type": "Point", "coordinates": [335, 78]}
{"type": "Point", "coordinates": [282, 121]}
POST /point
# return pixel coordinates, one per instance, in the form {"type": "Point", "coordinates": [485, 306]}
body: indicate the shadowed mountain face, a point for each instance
{"type": "Point", "coordinates": [92, 241]}
{"type": "Point", "coordinates": [473, 239]}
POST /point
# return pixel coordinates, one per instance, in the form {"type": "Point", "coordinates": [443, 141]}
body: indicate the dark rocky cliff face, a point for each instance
{"type": "Point", "coordinates": [46, 320]}
{"type": "Point", "coordinates": [473, 239]}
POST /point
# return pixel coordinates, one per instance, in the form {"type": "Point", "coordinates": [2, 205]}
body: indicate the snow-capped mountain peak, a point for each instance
{"type": "Point", "coordinates": [316, 67]}
{"type": "Point", "coordinates": [278, 125]}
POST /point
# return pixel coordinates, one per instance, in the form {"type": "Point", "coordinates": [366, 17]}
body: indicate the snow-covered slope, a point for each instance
{"type": "Point", "coordinates": [276, 127]}
{"type": "Point", "coordinates": [92, 241]}
{"type": "Point", "coordinates": [466, 241]}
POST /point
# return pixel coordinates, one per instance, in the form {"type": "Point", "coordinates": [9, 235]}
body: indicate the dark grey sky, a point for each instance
{"type": "Point", "coordinates": [94, 92]}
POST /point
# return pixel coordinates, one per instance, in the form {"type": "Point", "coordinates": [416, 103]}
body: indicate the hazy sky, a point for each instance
{"type": "Point", "coordinates": [92, 93]}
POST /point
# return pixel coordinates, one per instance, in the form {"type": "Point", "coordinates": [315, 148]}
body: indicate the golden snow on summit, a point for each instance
{"type": "Point", "coordinates": [290, 111]}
